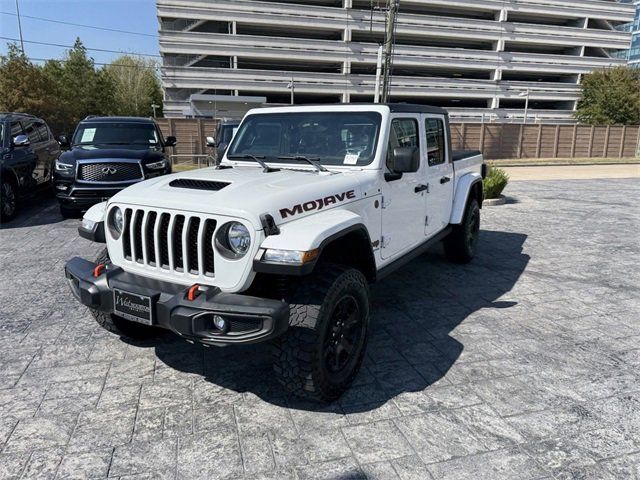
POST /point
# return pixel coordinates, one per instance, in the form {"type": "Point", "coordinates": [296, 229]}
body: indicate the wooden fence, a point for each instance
{"type": "Point", "coordinates": [495, 140]}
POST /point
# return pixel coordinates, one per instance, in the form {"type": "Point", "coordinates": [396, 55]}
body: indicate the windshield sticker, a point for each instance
{"type": "Point", "coordinates": [351, 158]}
{"type": "Point", "coordinates": [88, 134]}
{"type": "Point", "coordinates": [318, 204]}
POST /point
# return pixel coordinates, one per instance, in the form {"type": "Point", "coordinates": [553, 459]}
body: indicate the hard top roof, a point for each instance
{"type": "Point", "coordinates": [394, 107]}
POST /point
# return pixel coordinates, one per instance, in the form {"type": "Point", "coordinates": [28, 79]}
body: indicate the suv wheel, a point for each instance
{"type": "Point", "coordinates": [460, 245]}
{"type": "Point", "coordinates": [8, 200]}
{"type": "Point", "coordinates": [119, 325]}
{"type": "Point", "coordinates": [321, 352]}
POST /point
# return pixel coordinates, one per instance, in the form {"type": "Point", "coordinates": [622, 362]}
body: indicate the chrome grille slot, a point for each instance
{"type": "Point", "coordinates": [126, 242]}
{"type": "Point", "coordinates": [178, 257]}
{"type": "Point", "coordinates": [137, 236]}
{"type": "Point", "coordinates": [174, 242]}
{"type": "Point", "coordinates": [209, 229]}
{"type": "Point", "coordinates": [150, 237]}
{"type": "Point", "coordinates": [163, 240]}
{"type": "Point", "coordinates": [193, 244]}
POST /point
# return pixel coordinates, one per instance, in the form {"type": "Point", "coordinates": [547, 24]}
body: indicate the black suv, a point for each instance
{"type": "Point", "coordinates": [106, 155]}
{"type": "Point", "coordinates": [27, 154]}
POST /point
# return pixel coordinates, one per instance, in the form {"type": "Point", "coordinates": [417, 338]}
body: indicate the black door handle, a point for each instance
{"type": "Point", "coordinates": [421, 188]}
{"type": "Point", "coordinates": [445, 180]}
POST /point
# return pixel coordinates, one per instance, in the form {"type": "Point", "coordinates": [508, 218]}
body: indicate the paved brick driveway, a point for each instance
{"type": "Point", "coordinates": [523, 364]}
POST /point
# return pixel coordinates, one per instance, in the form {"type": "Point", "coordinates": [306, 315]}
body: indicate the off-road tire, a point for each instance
{"type": "Point", "coordinates": [114, 323]}
{"type": "Point", "coordinates": [300, 354]}
{"type": "Point", "coordinates": [460, 245]}
{"type": "Point", "coordinates": [8, 200]}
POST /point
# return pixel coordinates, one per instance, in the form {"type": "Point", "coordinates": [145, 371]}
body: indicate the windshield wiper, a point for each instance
{"type": "Point", "coordinates": [258, 158]}
{"type": "Point", "coordinates": [302, 158]}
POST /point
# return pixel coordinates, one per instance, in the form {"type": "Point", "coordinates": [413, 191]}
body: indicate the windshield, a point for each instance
{"type": "Point", "coordinates": [108, 135]}
{"type": "Point", "coordinates": [331, 138]}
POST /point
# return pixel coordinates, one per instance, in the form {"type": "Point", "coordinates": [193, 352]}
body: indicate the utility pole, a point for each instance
{"type": "Point", "coordinates": [20, 27]}
{"type": "Point", "coordinates": [392, 12]}
{"type": "Point", "coordinates": [292, 87]}
{"type": "Point", "coordinates": [376, 95]}
{"type": "Point", "coordinates": [154, 106]}
{"type": "Point", "coordinates": [526, 103]}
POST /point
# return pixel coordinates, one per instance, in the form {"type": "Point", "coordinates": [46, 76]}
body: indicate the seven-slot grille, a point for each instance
{"type": "Point", "coordinates": [173, 242]}
{"type": "Point", "coordinates": [109, 172]}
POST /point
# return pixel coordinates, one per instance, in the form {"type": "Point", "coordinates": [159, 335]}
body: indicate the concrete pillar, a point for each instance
{"type": "Point", "coordinates": [347, 3]}
{"type": "Point", "coordinates": [494, 103]}
{"type": "Point", "coordinates": [496, 75]}
{"type": "Point", "coordinates": [498, 46]}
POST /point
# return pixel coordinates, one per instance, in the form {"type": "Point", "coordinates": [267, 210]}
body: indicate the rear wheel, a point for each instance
{"type": "Point", "coordinates": [8, 200]}
{"type": "Point", "coordinates": [460, 246]}
{"type": "Point", "coordinates": [321, 352]}
{"type": "Point", "coordinates": [119, 325]}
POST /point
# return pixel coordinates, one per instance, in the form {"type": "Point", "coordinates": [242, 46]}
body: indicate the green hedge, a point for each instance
{"type": "Point", "coordinates": [495, 182]}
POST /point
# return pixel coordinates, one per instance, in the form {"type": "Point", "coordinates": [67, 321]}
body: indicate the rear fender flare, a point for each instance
{"type": "Point", "coordinates": [463, 189]}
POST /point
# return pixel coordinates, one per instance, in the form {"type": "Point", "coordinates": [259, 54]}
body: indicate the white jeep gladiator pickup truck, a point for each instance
{"type": "Point", "coordinates": [280, 241]}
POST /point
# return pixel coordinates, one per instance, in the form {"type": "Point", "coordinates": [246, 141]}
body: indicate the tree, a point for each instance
{"type": "Point", "coordinates": [610, 97]}
{"type": "Point", "coordinates": [24, 87]}
{"type": "Point", "coordinates": [136, 85]}
{"type": "Point", "coordinates": [82, 89]}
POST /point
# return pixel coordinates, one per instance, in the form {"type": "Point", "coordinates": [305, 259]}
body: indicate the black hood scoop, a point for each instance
{"type": "Point", "coordinates": [198, 184]}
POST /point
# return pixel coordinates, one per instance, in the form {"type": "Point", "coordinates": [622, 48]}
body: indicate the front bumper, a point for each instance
{"type": "Point", "coordinates": [249, 319]}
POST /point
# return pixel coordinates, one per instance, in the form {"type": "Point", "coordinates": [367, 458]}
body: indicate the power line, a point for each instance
{"type": "Point", "coordinates": [35, 59]}
{"type": "Point", "coordinates": [87, 48]}
{"type": "Point", "coordinates": [82, 25]}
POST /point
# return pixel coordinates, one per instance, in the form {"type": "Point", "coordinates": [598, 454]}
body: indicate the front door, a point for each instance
{"type": "Point", "coordinates": [439, 174]}
{"type": "Point", "coordinates": [404, 197]}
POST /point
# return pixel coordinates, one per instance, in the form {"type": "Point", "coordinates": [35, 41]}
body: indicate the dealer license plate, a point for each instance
{"type": "Point", "coordinates": [134, 307]}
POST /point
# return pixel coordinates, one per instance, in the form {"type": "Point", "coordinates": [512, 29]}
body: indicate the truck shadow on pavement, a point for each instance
{"type": "Point", "coordinates": [411, 347]}
{"type": "Point", "coordinates": [35, 210]}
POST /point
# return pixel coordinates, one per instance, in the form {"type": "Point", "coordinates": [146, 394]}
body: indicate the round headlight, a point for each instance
{"type": "Point", "coordinates": [117, 222]}
{"type": "Point", "coordinates": [238, 238]}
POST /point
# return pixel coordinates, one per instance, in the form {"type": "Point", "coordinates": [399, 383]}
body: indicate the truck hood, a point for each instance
{"type": "Point", "coordinates": [246, 192]}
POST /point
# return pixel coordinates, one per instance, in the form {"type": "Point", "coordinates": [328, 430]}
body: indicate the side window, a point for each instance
{"type": "Point", "coordinates": [435, 141]}
{"type": "Point", "coordinates": [16, 129]}
{"type": "Point", "coordinates": [404, 133]}
{"type": "Point", "coordinates": [42, 130]}
{"type": "Point", "coordinates": [31, 131]}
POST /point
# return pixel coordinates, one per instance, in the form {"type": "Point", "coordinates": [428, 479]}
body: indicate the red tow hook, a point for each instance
{"type": "Point", "coordinates": [193, 292]}
{"type": "Point", "coordinates": [98, 270]}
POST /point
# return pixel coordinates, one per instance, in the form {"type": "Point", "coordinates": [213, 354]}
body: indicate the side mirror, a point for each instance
{"type": "Point", "coordinates": [64, 141]}
{"type": "Point", "coordinates": [211, 142]}
{"type": "Point", "coordinates": [170, 142]}
{"type": "Point", "coordinates": [20, 141]}
{"type": "Point", "coordinates": [405, 160]}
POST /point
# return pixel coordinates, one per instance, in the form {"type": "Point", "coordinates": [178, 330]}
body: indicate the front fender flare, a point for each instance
{"type": "Point", "coordinates": [94, 229]}
{"type": "Point", "coordinates": [463, 189]}
{"type": "Point", "coordinates": [309, 233]}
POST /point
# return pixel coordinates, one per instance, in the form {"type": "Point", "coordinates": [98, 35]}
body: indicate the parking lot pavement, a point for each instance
{"type": "Point", "coordinates": [523, 364]}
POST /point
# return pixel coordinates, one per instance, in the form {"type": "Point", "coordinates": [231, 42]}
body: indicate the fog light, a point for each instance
{"type": "Point", "coordinates": [61, 187]}
{"type": "Point", "coordinates": [219, 322]}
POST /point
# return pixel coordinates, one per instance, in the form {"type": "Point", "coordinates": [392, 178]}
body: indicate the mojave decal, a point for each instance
{"type": "Point", "coordinates": [318, 204]}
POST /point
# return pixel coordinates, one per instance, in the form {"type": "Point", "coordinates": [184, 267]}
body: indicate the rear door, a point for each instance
{"type": "Point", "coordinates": [439, 174]}
{"type": "Point", "coordinates": [403, 198]}
{"type": "Point", "coordinates": [38, 147]}
{"type": "Point", "coordinates": [51, 149]}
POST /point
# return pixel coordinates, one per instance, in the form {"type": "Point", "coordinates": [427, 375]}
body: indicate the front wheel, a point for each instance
{"type": "Point", "coordinates": [119, 325]}
{"type": "Point", "coordinates": [8, 200]}
{"type": "Point", "coordinates": [460, 245]}
{"type": "Point", "coordinates": [321, 352]}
